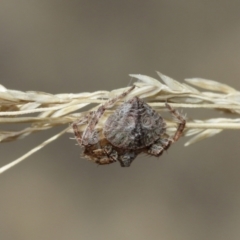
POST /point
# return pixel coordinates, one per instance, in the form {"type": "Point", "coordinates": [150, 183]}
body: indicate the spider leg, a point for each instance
{"type": "Point", "coordinates": [89, 131]}
{"type": "Point", "coordinates": [77, 133]}
{"type": "Point", "coordinates": [75, 125]}
{"type": "Point", "coordinates": [158, 147]}
{"type": "Point", "coordinates": [180, 119]}
{"type": "Point", "coordinates": [101, 155]}
{"type": "Point", "coordinates": [163, 144]}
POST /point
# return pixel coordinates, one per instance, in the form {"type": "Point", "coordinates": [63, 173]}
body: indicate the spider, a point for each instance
{"type": "Point", "coordinates": [132, 129]}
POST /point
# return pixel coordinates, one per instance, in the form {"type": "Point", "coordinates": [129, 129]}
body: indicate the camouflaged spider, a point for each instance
{"type": "Point", "coordinates": [132, 129]}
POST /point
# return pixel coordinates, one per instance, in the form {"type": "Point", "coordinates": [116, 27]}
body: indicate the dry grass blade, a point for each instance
{"type": "Point", "coordinates": [210, 85]}
{"type": "Point", "coordinates": [55, 110]}
{"type": "Point", "coordinates": [20, 159]}
{"type": "Point", "coordinates": [204, 134]}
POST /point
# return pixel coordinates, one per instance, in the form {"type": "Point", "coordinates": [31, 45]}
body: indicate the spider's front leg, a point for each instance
{"type": "Point", "coordinates": [75, 125]}
{"type": "Point", "coordinates": [89, 135]}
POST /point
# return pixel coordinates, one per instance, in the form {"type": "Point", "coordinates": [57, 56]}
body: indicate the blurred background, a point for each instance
{"type": "Point", "coordinates": [76, 46]}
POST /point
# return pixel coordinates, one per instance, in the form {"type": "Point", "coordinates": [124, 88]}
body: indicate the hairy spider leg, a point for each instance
{"type": "Point", "coordinates": [81, 121]}
{"type": "Point", "coordinates": [164, 143]}
{"type": "Point", "coordinates": [181, 125]}
{"type": "Point", "coordinates": [89, 133]}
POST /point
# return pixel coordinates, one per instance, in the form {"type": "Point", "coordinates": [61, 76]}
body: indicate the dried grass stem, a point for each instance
{"type": "Point", "coordinates": [55, 110]}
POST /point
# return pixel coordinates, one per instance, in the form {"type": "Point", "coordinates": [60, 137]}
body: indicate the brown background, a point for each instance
{"type": "Point", "coordinates": [76, 46]}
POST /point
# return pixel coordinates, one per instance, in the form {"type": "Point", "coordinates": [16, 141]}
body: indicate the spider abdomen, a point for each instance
{"type": "Point", "coordinates": [134, 125]}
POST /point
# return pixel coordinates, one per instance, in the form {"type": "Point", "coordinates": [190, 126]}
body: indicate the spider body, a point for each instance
{"type": "Point", "coordinates": [134, 125]}
{"type": "Point", "coordinates": [132, 129]}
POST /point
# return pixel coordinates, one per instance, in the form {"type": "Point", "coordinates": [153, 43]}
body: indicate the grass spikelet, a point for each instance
{"type": "Point", "coordinates": [18, 107]}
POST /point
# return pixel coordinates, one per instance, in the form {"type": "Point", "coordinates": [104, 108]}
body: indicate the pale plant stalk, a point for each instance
{"type": "Point", "coordinates": [55, 110]}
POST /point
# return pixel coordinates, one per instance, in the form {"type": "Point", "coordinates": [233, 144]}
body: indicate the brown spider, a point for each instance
{"type": "Point", "coordinates": [132, 129]}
